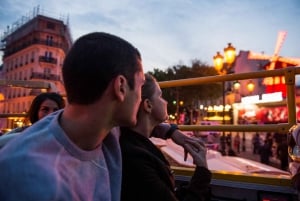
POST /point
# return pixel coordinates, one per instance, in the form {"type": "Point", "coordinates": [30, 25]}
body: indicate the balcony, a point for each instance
{"type": "Point", "coordinates": [11, 49]}
{"type": "Point", "coordinates": [44, 76]}
{"type": "Point", "coordinates": [48, 59]}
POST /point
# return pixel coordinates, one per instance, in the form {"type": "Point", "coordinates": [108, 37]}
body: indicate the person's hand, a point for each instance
{"type": "Point", "coordinates": [197, 149]}
{"type": "Point", "coordinates": [179, 138]}
{"type": "Point", "coordinates": [194, 146]}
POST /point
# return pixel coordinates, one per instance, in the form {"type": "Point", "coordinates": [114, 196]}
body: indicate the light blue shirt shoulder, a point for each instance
{"type": "Point", "coordinates": [44, 164]}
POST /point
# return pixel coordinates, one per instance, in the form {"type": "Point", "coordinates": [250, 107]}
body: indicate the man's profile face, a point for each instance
{"type": "Point", "coordinates": [133, 98]}
{"type": "Point", "coordinates": [136, 94]}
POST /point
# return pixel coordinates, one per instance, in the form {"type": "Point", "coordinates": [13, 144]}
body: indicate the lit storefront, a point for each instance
{"type": "Point", "coordinates": [264, 109]}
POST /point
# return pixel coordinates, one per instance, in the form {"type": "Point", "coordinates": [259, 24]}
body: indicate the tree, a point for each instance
{"type": "Point", "coordinates": [188, 94]}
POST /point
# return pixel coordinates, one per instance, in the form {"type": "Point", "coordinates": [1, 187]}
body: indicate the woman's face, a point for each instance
{"type": "Point", "coordinates": [159, 105]}
{"type": "Point", "coordinates": [47, 107]}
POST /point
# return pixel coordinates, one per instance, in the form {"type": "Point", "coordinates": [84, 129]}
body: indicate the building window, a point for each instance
{"type": "Point", "coordinates": [49, 40]}
{"type": "Point", "coordinates": [32, 57]}
{"type": "Point", "coordinates": [21, 60]}
{"type": "Point", "coordinates": [8, 107]}
{"type": "Point", "coordinates": [50, 25]}
{"type": "Point", "coordinates": [7, 67]}
{"type": "Point", "coordinates": [18, 108]}
{"type": "Point", "coordinates": [47, 71]}
{"type": "Point", "coordinates": [16, 63]}
{"type": "Point", "coordinates": [26, 59]}
{"type": "Point", "coordinates": [11, 65]}
{"type": "Point", "coordinates": [25, 75]}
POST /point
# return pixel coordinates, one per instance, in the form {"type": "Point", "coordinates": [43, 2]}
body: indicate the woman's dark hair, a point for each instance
{"type": "Point", "coordinates": [93, 62]}
{"type": "Point", "coordinates": [148, 88]}
{"type": "Point", "coordinates": [39, 99]}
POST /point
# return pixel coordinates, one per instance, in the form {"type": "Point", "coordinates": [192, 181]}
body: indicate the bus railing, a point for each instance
{"type": "Point", "coordinates": [290, 77]}
{"type": "Point", "coordinates": [252, 185]}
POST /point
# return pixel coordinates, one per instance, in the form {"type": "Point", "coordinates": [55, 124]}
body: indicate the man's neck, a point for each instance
{"type": "Point", "coordinates": [85, 129]}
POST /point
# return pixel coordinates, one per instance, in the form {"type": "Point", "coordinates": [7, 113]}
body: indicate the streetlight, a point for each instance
{"type": "Point", "coordinates": [236, 87]}
{"type": "Point", "coordinates": [224, 66]}
{"type": "Point", "coordinates": [250, 87]}
{"type": "Point", "coordinates": [218, 62]}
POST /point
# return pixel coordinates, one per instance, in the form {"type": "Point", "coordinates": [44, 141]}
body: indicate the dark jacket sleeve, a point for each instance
{"type": "Point", "coordinates": [143, 179]}
{"type": "Point", "coordinates": [161, 131]}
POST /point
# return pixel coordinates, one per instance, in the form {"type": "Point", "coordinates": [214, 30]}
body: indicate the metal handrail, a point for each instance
{"type": "Point", "coordinates": [252, 182]}
{"type": "Point", "coordinates": [290, 76]}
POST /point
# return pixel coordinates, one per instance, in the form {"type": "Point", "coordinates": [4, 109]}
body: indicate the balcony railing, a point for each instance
{"type": "Point", "coordinates": [45, 76]}
{"type": "Point", "coordinates": [11, 50]}
{"type": "Point", "coordinates": [47, 59]}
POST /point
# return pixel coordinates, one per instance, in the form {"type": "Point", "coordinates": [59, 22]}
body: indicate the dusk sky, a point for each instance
{"type": "Point", "coordinates": [171, 32]}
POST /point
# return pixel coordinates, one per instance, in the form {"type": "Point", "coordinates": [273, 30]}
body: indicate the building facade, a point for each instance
{"type": "Point", "coordinates": [265, 103]}
{"type": "Point", "coordinates": [33, 50]}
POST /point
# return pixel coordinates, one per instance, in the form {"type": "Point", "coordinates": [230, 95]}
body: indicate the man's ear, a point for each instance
{"type": "Point", "coordinates": [120, 87]}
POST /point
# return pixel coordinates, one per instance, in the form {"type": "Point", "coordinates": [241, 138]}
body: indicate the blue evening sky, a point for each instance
{"type": "Point", "coordinates": [169, 32]}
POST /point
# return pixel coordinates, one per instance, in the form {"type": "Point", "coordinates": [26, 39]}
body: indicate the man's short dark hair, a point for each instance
{"type": "Point", "coordinates": [94, 60]}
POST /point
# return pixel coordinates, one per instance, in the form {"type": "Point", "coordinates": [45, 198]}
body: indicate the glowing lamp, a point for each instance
{"type": "Point", "coordinates": [218, 61]}
{"type": "Point", "coordinates": [229, 53]}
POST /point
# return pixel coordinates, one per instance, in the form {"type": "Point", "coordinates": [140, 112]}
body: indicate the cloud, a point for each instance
{"type": "Point", "coordinates": [170, 31]}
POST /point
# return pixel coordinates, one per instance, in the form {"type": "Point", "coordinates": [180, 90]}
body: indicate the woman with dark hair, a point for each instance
{"type": "Point", "coordinates": [45, 104]}
{"type": "Point", "coordinates": [146, 172]}
{"type": "Point", "coordinates": [42, 105]}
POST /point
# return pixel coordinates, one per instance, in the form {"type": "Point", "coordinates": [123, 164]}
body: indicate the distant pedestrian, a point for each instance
{"type": "Point", "coordinates": [223, 144]}
{"type": "Point", "coordinates": [282, 153]}
{"type": "Point", "coordinates": [269, 137]}
{"type": "Point", "coordinates": [231, 152]}
{"type": "Point", "coordinates": [237, 142]}
{"type": "Point", "coordinates": [277, 138]}
{"type": "Point", "coordinates": [256, 143]}
{"type": "Point", "coordinates": [244, 142]}
{"type": "Point", "coordinates": [265, 153]}
{"type": "Point", "coordinates": [229, 139]}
